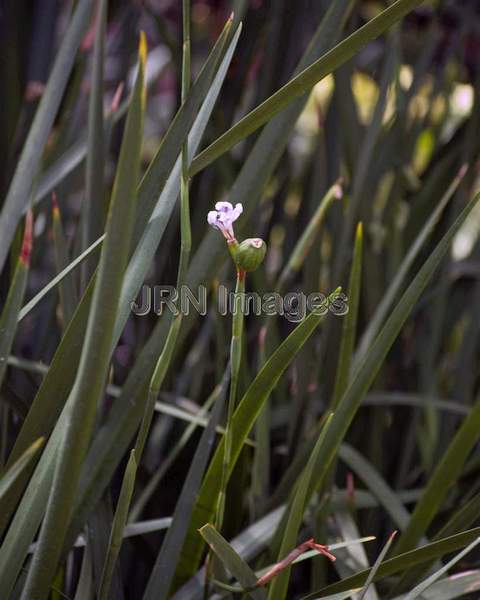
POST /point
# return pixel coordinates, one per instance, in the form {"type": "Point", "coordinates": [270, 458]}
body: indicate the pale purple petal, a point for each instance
{"type": "Point", "coordinates": [237, 211]}
{"type": "Point", "coordinates": [225, 207]}
{"type": "Point", "coordinates": [212, 218]}
{"type": "Point", "coordinates": [223, 217]}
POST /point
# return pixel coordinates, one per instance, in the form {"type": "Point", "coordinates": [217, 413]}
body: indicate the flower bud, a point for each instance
{"type": "Point", "coordinates": [250, 254]}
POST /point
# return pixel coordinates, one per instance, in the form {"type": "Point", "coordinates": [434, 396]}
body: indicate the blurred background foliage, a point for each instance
{"type": "Point", "coordinates": [395, 123]}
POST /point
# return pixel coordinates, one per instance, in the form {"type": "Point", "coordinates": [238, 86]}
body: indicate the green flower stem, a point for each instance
{"type": "Point", "coordinates": [235, 360]}
{"type": "Point", "coordinates": [165, 358]}
{"type": "Point", "coordinates": [185, 247]}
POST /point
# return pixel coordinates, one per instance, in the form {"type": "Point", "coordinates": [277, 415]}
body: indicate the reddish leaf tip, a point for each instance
{"type": "Point", "coordinates": [462, 171]}
{"type": "Point", "coordinates": [338, 191]}
{"type": "Point", "coordinates": [34, 90]}
{"type": "Point", "coordinates": [262, 334]}
{"type": "Point", "coordinates": [117, 97]}
{"type": "Point", "coordinates": [27, 243]}
{"type": "Point", "coordinates": [350, 487]}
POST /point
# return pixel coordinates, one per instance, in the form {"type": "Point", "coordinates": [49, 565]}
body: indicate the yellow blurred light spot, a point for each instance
{"type": "Point", "coordinates": [405, 77]}
{"type": "Point", "coordinates": [423, 150]}
{"type": "Point", "coordinates": [316, 106]}
{"type": "Point", "coordinates": [322, 91]}
{"type": "Point", "coordinates": [438, 110]}
{"type": "Point", "coordinates": [420, 103]}
{"type": "Point", "coordinates": [365, 92]}
{"type": "Point", "coordinates": [391, 105]}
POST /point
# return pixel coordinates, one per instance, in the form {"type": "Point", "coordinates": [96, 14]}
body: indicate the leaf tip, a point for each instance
{"type": "Point", "coordinates": [142, 49]}
{"type": "Point", "coordinates": [359, 233]}
{"type": "Point", "coordinates": [337, 189]}
{"type": "Point", "coordinates": [462, 171]}
{"type": "Point", "coordinates": [38, 443]}
{"type": "Point", "coordinates": [26, 251]}
{"type": "Point", "coordinates": [116, 98]}
{"type": "Point", "coordinates": [55, 208]}
{"type": "Point", "coordinates": [262, 334]}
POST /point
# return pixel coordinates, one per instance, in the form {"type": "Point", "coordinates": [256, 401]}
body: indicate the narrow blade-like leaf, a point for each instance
{"type": "Point", "coordinates": [232, 561]}
{"type": "Point", "coordinates": [295, 510]}
{"type": "Point", "coordinates": [164, 568]}
{"type": "Point", "coordinates": [243, 421]}
{"type": "Point", "coordinates": [16, 292]}
{"type": "Point", "coordinates": [10, 475]}
{"type": "Point", "coordinates": [376, 565]}
{"type": "Point", "coordinates": [118, 526]}
{"type": "Point", "coordinates": [304, 81]}
{"type": "Point", "coordinates": [421, 587]}
{"type": "Point", "coordinates": [402, 562]}
{"type": "Point", "coordinates": [20, 190]}
{"type": "Point", "coordinates": [95, 359]}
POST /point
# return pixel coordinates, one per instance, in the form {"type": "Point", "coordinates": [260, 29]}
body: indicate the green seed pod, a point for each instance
{"type": "Point", "coordinates": [250, 254]}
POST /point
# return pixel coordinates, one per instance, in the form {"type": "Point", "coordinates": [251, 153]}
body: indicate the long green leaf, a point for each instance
{"type": "Point", "coordinates": [232, 561]}
{"type": "Point", "coordinates": [16, 292]}
{"type": "Point", "coordinates": [304, 244]}
{"type": "Point", "coordinates": [84, 589]}
{"type": "Point", "coordinates": [450, 588]}
{"type": "Point", "coordinates": [339, 596]}
{"type": "Point", "coordinates": [242, 423]}
{"type": "Point", "coordinates": [402, 562]}
{"type": "Point", "coordinates": [19, 193]}
{"type": "Point", "coordinates": [93, 206]}
{"type": "Point", "coordinates": [67, 291]}
{"type": "Point", "coordinates": [49, 400]}
{"type": "Point", "coordinates": [367, 371]}
{"type": "Point", "coordinates": [295, 511]}
{"type": "Point", "coordinates": [59, 278]}
{"type": "Point", "coordinates": [153, 230]}
{"type": "Point", "coordinates": [95, 359]}
{"type": "Point", "coordinates": [163, 571]}
{"type": "Point", "coordinates": [10, 475]}
{"type": "Point", "coordinates": [447, 472]}
{"type": "Point", "coordinates": [118, 526]}
{"type": "Point", "coordinates": [376, 484]}
{"type": "Point", "coordinates": [350, 322]}
{"type": "Point", "coordinates": [421, 587]}
{"type": "Point", "coordinates": [125, 415]}
{"type": "Point", "coordinates": [169, 460]}
{"type": "Point", "coordinates": [27, 517]}
{"type": "Point", "coordinates": [401, 275]}
{"type": "Point", "coordinates": [462, 519]}
{"type": "Point", "coordinates": [415, 400]}
{"type": "Point", "coordinates": [304, 81]}
{"type": "Point", "coordinates": [265, 155]}
{"type": "Point", "coordinates": [376, 566]}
